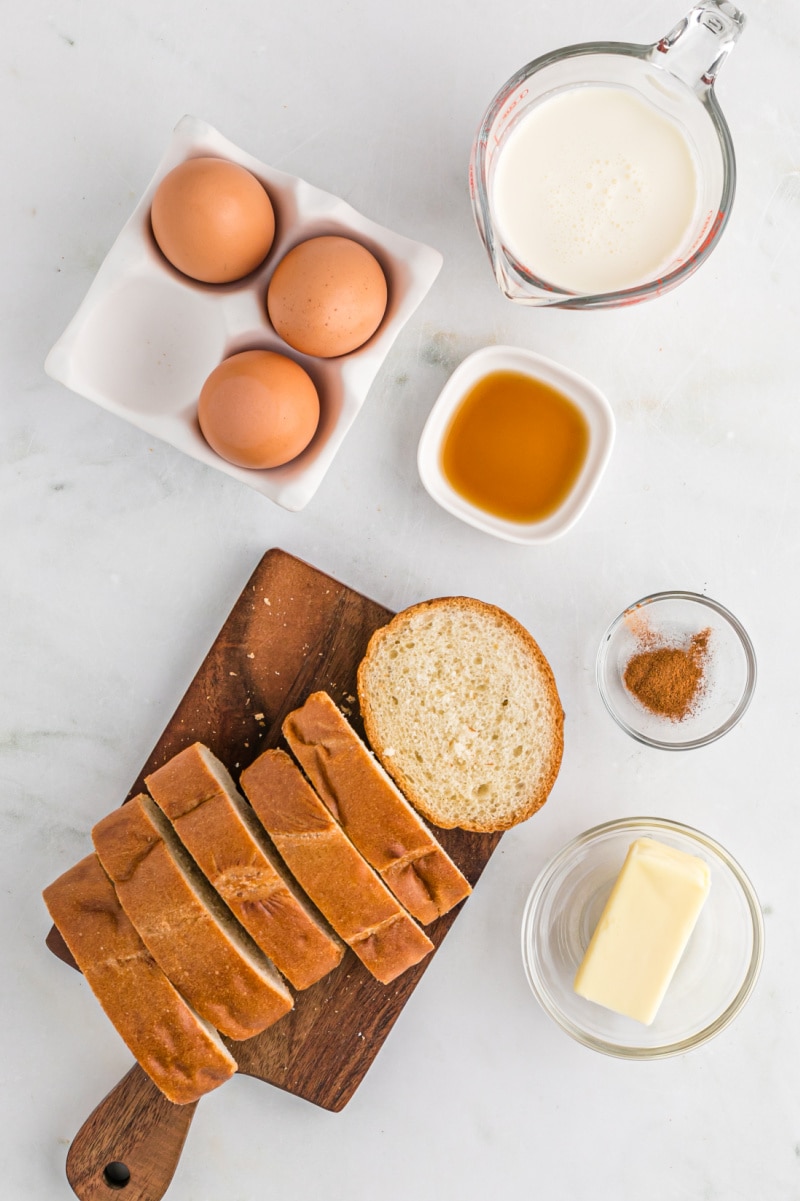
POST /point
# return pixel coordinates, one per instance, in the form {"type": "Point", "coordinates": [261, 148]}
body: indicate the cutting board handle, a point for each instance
{"type": "Point", "coordinates": [129, 1148]}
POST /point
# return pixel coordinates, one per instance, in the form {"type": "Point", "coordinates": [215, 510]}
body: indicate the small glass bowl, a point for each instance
{"type": "Point", "coordinates": [671, 619]}
{"type": "Point", "coordinates": [716, 973]}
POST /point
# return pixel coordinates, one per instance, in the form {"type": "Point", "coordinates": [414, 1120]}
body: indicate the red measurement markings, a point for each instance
{"type": "Point", "coordinates": [506, 113]}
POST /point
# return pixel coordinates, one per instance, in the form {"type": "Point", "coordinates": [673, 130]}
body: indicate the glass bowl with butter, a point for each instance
{"type": "Point", "coordinates": [642, 938]}
{"type": "Point", "coordinates": [516, 444]}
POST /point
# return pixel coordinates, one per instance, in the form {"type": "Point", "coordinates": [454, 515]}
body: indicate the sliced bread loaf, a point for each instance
{"type": "Point", "coordinates": [371, 810]}
{"type": "Point", "coordinates": [461, 707]}
{"type": "Point", "coordinates": [189, 931]}
{"type": "Point", "coordinates": [221, 833]}
{"type": "Point", "coordinates": [336, 877]}
{"type": "Point", "coordinates": [180, 1052]}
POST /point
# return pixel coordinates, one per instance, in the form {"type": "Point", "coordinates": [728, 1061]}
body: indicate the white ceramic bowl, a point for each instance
{"type": "Point", "coordinates": [146, 337]}
{"type": "Point", "coordinates": [588, 399]}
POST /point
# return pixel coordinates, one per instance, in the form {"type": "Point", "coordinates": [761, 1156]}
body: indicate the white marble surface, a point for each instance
{"type": "Point", "coordinates": [121, 559]}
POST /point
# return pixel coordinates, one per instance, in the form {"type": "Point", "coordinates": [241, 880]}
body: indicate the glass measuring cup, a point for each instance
{"type": "Point", "coordinates": [674, 77]}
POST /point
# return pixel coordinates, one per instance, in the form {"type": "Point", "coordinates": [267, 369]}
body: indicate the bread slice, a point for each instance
{"type": "Point", "coordinates": [191, 934]}
{"type": "Point", "coordinates": [461, 708]}
{"type": "Point", "coordinates": [336, 877]}
{"type": "Point", "coordinates": [372, 812]}
{"type": "Point", "coordinates": [182, 1054]}
{"type": "Point", "coordinates": [221, 833]}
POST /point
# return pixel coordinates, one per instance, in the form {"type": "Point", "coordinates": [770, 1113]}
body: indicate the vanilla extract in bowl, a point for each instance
{"type": "Point", "coordinates": [515, 446]}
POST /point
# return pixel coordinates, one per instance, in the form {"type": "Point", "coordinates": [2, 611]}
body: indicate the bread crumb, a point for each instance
{"type": "Point", "coordinates": [267, 601]}
{"type": "Point", "coordinates": [258, 716]}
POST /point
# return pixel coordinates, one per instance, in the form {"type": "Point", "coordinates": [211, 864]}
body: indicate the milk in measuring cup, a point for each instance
{"type": "Point", "coordinates": [595, 190]}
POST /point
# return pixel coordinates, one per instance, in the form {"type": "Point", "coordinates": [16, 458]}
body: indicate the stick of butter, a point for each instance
{"type": "Point", "coordinates": [644, 929]}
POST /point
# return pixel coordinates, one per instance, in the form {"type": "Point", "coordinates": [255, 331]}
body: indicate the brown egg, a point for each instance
{"type": "Point", "coordinates": [213, 220]}
{"type": "Point", "coordinates": [258, 409]}
{"type": "Point", "coordinates": [327, 296]}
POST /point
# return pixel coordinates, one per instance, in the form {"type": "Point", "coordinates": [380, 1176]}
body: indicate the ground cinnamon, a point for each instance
{"type": "Point", "coordinates": [668, 680]}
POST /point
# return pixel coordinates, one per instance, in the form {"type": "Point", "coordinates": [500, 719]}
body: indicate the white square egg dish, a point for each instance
{"type": "Point", "coordinates": [146, 337]}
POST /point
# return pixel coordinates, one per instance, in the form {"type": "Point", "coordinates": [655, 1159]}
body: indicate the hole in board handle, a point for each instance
{"type": "Point", "coordinates": [117, 1175]}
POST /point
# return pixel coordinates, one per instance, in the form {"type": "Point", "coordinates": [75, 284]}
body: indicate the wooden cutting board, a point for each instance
{"type": "Point", "coordinates": [292, 631]}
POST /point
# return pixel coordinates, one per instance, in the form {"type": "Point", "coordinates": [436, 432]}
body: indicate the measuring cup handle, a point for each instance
{"type": "Point", "coordinates": [699, 44]}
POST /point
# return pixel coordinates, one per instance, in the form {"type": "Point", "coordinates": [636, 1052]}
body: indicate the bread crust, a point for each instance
{"type": "Point", "coordinates": [195, 940]}
{"type": "Point", "coordinates": [328, 867]}
{"type": "Point", "coordinates": [183, 1056]}
{"type": "Point", "coordinates": [220, 832]}
{"type": "Point", "coordinates": [552, 720]}
{"type": "Point", "coordinates": [373, 814]}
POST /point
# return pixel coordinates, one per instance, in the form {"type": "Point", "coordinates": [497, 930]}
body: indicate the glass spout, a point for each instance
{"type": "Point", "coordinates": [699, 44]}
